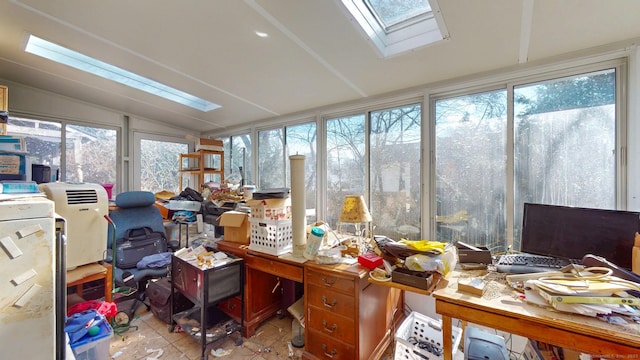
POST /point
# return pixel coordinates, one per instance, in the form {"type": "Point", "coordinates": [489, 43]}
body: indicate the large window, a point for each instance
{"type": "Point", "coordinates": [271, 159]}
{"type": "Point", "coordinates": [159, 164]}
{"type": "Point", "coordinates": [395, 171]}
{"type": "Point", "coordinates": [565, 142]}
{"type": "Point", "coordinates": [237, 159]}
{"type": "Point", "coordinates": [90, 152]}
{"type": "Point", "coordinates": [91, 155]}
{"type": "Point", "coordinates": [564, 153]}
{"type": "Point", "coordinates": [380, 161]}
{"type": "Point", "coordinates": [275, 146]}
{"type": "Point", "coordinates": [470, 170]}
{"type": "Point", "coordinates": [346, 162]}
{"type": "Point", "coordinates": [301, 140]}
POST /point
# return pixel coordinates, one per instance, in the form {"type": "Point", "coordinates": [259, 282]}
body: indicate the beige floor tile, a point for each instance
{"type": "Point", "coordinates": [271, 342]}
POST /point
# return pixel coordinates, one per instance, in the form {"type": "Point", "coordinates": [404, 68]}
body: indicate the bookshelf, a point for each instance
{"type": "Point", "coordinates": [199, 167]}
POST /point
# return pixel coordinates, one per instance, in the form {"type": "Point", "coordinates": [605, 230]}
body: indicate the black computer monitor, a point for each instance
{"type": "Point", "coordinates": [572, 232]}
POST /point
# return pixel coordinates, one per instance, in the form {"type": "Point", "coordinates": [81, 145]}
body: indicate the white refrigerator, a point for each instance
{"type": "Point", "coordinates": [32, 292]}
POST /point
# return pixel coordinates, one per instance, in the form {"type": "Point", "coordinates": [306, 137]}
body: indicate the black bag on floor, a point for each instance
{"type": "Point", "coordinates": [159, 295]}
{"type": "Point", "coordinates": [136, 244]}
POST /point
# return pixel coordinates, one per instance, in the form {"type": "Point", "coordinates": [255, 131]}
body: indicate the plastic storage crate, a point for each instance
{"type": "Point", "coordinates": [94, 347]}
{"type": "Point", "coordinates": [274, 237]}
{"type": "Point", "coordinates": [421, 328]}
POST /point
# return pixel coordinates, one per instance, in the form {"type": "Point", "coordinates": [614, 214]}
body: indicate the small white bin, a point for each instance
{"type": "Point", "coordinates": [421, 328]}
{"type": "Point", "coordinates": [274, 237]}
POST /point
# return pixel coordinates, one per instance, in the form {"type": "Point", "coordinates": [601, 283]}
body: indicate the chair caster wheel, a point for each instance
{"type": "Point", "coordinates": [121, 318]}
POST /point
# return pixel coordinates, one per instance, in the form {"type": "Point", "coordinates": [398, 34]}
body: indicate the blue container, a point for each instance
{"type": "Point", "coordinates": [94, 347]}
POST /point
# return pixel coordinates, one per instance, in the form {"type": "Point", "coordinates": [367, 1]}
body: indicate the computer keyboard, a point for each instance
{"type": "Point", "coordinates": [528, 263]}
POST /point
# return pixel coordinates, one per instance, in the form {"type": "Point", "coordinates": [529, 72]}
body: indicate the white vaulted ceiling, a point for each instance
{"type": "Point", "coordinates": [314, 56]}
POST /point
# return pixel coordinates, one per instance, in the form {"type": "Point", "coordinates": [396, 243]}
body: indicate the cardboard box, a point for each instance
{"type": "Point", "coordinates": [209, 144]}
{"type": "Point", "coordinates": [474, 286]}
{"type": "Point", "coordinates": [164, 211]}
{"type": "Point", "coordinates": [12, 164]}
{"type": "Point", "coordinates": [270, 209]}
{"type": "Point", "coordinates": [236, 226]}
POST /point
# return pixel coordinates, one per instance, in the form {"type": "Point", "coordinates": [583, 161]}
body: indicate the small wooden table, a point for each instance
{"type": "Point", "coordinates": [500, 309]}
{"type": "Point", "coordinates": [91, 272]}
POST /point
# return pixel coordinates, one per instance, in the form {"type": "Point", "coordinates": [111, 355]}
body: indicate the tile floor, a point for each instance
{"type": "Point", "coordinates": [152, 337]}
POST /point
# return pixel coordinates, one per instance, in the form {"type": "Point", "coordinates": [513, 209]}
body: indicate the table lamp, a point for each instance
{"type": "Point", "coordinates": [355, 211]}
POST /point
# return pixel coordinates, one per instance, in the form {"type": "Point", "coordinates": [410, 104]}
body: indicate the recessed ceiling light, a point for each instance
{"type": "Point", "coordinates": [57, 53]}
{"type": "Point", "coordinates": [262, 34]}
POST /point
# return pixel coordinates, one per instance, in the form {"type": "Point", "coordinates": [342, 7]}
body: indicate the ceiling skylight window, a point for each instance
{"type": "Point", "coordinates": [397, 26]}
{"type": "Point", "coordinates": [57, 53]}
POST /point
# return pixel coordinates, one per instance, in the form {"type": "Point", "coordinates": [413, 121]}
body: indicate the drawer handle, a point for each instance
{"type": "Point", "coordinates": [334, 352]}
{"type": "Point", "coordinates": [232, 307]}
{"type": "Point", "coordinates": [330, 306]}
{"type": "Point", "coordinates": [328, 283]}
{"type": "Point", "coordinates": [329, 330]}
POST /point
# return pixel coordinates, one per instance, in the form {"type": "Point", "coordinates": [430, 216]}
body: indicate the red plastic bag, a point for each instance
{"type": "Point", "coordinates": [105, 308]}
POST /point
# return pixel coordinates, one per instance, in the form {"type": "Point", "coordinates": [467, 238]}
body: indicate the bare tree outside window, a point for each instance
{"type": "Point", "coordinates": [394, 171]}
{"type": "Point", "coordinates": [301, 140]}
{"type": "Point", "coordinates": [271, 159]}
{"type": "Point", "coordinates": [346, 172]}
{"type": "Point", "coordinates": [159, 164]}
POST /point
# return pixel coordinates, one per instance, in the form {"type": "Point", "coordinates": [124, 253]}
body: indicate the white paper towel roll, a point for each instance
{"type": "Point", "coordinates": [298, 205]}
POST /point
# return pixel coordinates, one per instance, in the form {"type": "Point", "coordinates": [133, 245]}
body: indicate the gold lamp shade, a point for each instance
{"type": "Point", "coordinates": [354, 210]}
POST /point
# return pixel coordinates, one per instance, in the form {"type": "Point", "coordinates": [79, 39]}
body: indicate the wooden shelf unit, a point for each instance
{"type": "Point", "coordinates": [201, 166]}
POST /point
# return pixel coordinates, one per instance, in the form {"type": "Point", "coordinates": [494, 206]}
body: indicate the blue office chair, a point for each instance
{"type": "Point", "coordinates": [134, 210]}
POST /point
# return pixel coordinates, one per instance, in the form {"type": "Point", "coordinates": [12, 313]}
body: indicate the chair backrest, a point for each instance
{"type": "Point", "coordinates": [134, 210]}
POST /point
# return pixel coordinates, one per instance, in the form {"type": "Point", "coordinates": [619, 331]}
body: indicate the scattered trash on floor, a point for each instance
{"type": "Point", "coordinates": [157, 356]}
{"type": "Point", "coordinates": [115, 355]}
{"type": "Point", "coordinates": [220, 352]}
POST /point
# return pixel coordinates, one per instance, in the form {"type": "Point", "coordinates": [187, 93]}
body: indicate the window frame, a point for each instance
{"type": "Point", "coordinates": [620, 64]}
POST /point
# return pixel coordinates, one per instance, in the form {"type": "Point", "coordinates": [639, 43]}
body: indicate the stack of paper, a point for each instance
{"type": "Point", "coordinates": [590, 297]}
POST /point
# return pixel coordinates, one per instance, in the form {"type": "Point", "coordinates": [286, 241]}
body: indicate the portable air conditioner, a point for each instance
{"type": "Point", "coordinates": [83, 206]}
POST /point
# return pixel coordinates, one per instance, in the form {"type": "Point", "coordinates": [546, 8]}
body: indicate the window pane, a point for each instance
{"type": "Point", "coordinates": [270, 159]}
{"type": "Point", "coordinates": [91, 155]}
{"type": "Point", "coordinates": [395, 171]}
{"type": "Point", "coordinates": [471, 169]}
{"type": "Point", "coordinates": [345, 162]}
{"type": "Point", "coordinates": [565, 143]}
{"type": "Point", "coordinates": [42, 139]}
{"type": "Point", "coordinates": [237, 157]}
{"type": "Point", "coordinates": [159, 164]}
{"type": "Point", "coordinates": [394, 12]}
{"type": "Point", "coordinates": [301, 140]}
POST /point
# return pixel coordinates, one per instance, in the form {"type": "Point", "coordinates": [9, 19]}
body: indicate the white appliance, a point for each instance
{"type": "Point", "coordinates": [83, 206]}
{"type": "Point", "coordinates": [32, 294]}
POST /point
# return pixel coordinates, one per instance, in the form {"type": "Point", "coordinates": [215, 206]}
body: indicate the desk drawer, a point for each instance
{"type": "Point", "coordinates": [327, 347]}
{"type": "Point", "coordinates": [275, 267]}
{"type": "Point", "coordinates": [329, 300]}
{"type": "Point", "coordinates": [331, 282]}
{"type": "Point", "coordinates": [232, 306]}
{"type": "Point", "coordinates": [333, 325]}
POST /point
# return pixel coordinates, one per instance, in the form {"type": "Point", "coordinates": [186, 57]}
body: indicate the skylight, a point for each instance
{"type": "Point", "coordinates": [397, 26]}
{"type": "Point", "coordinates": [57, 53]}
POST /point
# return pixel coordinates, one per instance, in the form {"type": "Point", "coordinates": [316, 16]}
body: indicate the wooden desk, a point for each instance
{"type": "Point", "coordinates": [346, 316]}
{"type": "Point", "coordinates": [500, 309]}
{"type": "Point", "coordinates": [262, 298]}
{"type": "Point", "coordinates": [93, 272]}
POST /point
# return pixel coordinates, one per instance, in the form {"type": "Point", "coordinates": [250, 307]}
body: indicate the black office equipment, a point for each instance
{"type": "Point", "coordinates": [569, 233]}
